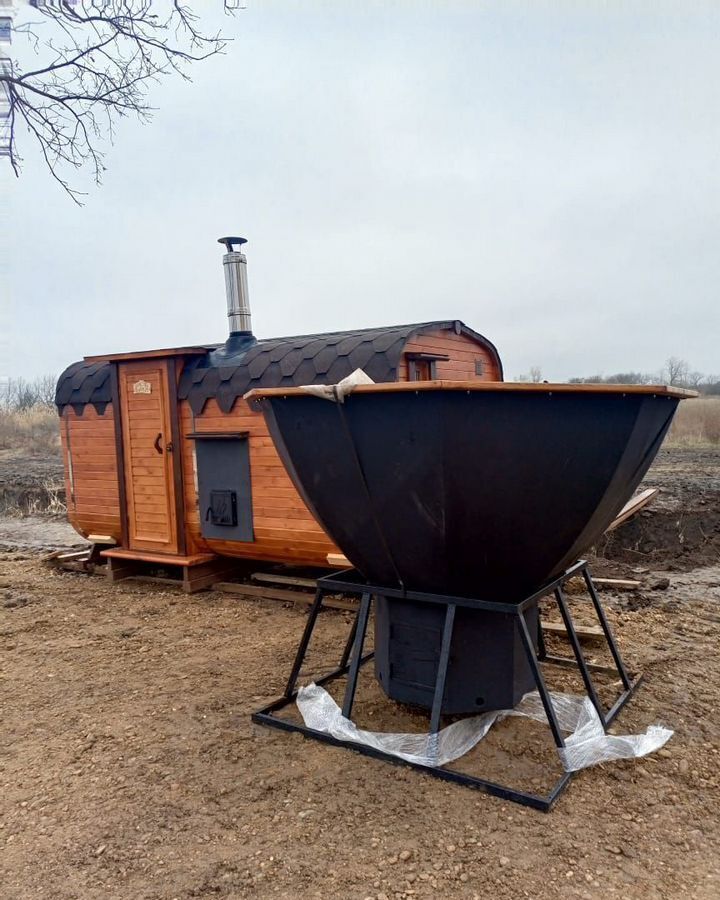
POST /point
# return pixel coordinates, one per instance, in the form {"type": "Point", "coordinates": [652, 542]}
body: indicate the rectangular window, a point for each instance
{"type": "Point", "coordinates": [423, 366]}
{"type": "Point", "coordinates": [420, 370]}
{"type": "Point", "coordinates": [479, 367]}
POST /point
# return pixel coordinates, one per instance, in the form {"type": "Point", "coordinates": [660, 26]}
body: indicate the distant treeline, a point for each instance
{"type": "Point", "coordinates": [675, 371]}
{"type": "Point", "coordinates": [19, 394]}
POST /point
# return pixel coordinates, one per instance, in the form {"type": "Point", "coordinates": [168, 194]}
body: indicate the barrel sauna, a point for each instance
{"type": "Point", "coordinates": [165, 458]}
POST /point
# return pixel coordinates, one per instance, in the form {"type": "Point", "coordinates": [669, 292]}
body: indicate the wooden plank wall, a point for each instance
{"type": "Point", "coordinates": [285, 530]}
{"type": "Point", "coordinates": [94, 505]}
{"type": "Point", "coordinates": [463, 352]}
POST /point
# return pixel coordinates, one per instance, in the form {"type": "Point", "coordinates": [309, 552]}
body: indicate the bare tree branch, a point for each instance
{"type": "Point", "coordinates": [99, 59]}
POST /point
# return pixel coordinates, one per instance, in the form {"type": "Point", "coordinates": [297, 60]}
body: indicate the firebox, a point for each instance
{"type": "Point", "coordinates": [488, 667]}
{"type": "Point", "coordinates": [223, 485]}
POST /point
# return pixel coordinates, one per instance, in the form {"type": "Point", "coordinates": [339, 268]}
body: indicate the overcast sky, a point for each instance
{"type": "Point", "coordinates": [548, 173]}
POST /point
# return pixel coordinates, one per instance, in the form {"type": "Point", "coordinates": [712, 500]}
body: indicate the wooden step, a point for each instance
{"type": "Point", "coordinates": [198, 572]}
{"type": "Point", "coordinates": [162, 559]}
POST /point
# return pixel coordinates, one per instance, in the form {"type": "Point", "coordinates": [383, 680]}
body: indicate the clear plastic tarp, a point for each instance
{"type": "Point", "coordinates": [586, 743]}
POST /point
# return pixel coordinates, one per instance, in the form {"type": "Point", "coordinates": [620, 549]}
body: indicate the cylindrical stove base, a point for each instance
{"type": "Point", "coordinates": [488, 668]}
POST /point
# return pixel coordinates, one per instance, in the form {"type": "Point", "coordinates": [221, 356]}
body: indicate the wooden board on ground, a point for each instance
{"type": "Point", "coordinates": [577, 585]}
{"type": "Point", "coordinates": [584, 632]}
{"type": "Point", "coordinates": [268, 593]}
{"type": "Point", "coordinates": [634, 505]}
{"type": "Point", "coordinates": [293, 581]}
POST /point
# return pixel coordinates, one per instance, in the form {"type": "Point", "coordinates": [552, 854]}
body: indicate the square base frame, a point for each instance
{"type": "Point", "coordinates": [353, 658]}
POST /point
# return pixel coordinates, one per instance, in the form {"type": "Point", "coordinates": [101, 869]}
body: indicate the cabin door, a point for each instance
{"type": "Point", "coordinates": [150, 491]}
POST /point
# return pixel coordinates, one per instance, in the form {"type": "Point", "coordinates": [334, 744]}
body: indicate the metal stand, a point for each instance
{"type": "Point", "coordinates": [352, 659]}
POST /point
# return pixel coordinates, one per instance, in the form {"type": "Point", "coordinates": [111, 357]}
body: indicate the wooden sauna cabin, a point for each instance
{"type": "Point", "coordinates": [165, 460]}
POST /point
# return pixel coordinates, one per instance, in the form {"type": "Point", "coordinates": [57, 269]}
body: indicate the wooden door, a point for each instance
{"type": "Point", "coordinates": [147, 431]}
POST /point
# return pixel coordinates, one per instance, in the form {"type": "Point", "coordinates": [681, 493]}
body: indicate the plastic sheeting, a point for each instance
{"type": "Point", "coordinates": [586, 744]}
{"type": "Point", "coordinates": [339, 391]}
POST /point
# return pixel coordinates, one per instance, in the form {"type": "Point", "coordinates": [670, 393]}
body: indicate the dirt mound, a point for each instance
{"type": "Point", "coordinates": [678, 539]}
{"type": "Point", "coordinates": [681, 530]}
{"type": "Point", "coordinates": [31, 485]}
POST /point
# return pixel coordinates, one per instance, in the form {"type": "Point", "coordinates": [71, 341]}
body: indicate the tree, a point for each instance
{"type": "Point", "coordinates": [45, 390]}
{"type": "Point", "coordinates": [18, 394]}
{"type": "Point", "coordinates": [98, 60]}
{"type": "Point", "coordinates": [675, 371]}
{"type": "Point", "coordinates": [535, 374]}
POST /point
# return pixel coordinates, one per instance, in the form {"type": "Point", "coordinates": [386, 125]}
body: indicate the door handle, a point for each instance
{"type": "Point", "coordinates": [156, 445]}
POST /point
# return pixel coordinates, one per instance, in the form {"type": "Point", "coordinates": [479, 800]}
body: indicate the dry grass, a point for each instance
{"type": "Point", "coordinates": [696, 423]}
{"type": "Point", "coordinates": [33, 431]}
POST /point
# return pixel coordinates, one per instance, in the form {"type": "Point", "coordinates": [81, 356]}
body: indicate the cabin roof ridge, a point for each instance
{"type": "Point", "coordinates": [288, 361]}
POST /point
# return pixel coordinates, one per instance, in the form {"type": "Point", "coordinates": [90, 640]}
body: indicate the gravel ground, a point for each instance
{"type": "Point", "coordinates": [130, 767]}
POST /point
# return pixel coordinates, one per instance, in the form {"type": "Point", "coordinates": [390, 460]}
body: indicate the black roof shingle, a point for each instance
{"type": "Point", "coordinates": [273, 362]}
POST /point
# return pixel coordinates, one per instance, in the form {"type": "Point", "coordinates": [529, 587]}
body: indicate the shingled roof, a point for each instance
{"type": "Point", "coordinates": [305, 359]}
{"type": "Point", "coordinates": [83, 383]}
{"type": "Point", "coordinates": [274, 362]}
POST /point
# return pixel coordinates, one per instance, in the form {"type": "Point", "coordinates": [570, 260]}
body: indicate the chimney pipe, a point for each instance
{"type": "Point", "coordinates": [236, 288]}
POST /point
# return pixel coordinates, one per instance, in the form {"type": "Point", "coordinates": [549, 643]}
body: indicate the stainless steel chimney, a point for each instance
{"type": "Point", "coordinates": [236, 287]}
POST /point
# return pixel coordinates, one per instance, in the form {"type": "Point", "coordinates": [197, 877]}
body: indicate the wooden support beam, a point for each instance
{"type": "Point", "coordinates": [270, 578]}
{"type": "Point", "coordinates": [338, 561]}
{"type": "Point", "coordinates": [268, 593]}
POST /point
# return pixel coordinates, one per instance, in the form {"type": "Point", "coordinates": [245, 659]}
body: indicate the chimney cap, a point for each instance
{"type": "Point", "coordinates": [229, 241]}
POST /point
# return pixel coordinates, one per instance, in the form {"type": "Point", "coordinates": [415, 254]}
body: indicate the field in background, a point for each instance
{"type": "Point", "coordinates": [33, 432]}
{"type": "Point", "coordinates": [697, 422]}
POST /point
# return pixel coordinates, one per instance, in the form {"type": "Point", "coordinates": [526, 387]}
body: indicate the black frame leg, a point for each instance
{"type": "Point", "coordinates": [440, 678]}
{"type": "Point", "coordinates": [609, 637]}
{"type": "Point", "coordinates": [357, 652]}
{"type": "Point", "coordinates": [540, 681]}
{"type": "Point", "coordinates": [542, 649]}
{"type": "Point", "coordinates": [304, 642]}
{"type": "Point", "coordinates": [577, 650]}
{"type": "Point", "coordinates": [345, 658]}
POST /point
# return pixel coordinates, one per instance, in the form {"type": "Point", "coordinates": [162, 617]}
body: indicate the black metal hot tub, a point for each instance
{"type": "Point", "coordinates": [483, 490]}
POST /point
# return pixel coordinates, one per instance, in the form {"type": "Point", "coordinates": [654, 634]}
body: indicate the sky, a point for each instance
{"type": "Point", "coordinates": [546, 172]}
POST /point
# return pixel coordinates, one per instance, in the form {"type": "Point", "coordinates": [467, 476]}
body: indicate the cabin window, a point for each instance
{"type": "Point", "coordinates": [479, 367]}
{"type": "Point", "coordinates": [421, 370]}
{"type": "Point", "coordinates": [223, 485]}
{"type": "Point", "coordinates": [423, 366]}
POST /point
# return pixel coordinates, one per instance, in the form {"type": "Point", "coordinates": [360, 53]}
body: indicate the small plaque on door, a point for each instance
{"type": "Point", "coordinates": [142, 387]}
